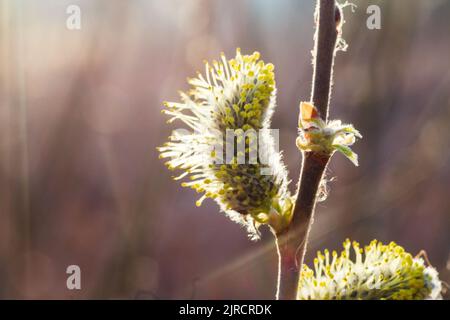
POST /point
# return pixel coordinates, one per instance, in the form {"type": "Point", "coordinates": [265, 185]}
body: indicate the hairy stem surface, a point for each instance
{"type": "Point", "coordinates": [292, 241]}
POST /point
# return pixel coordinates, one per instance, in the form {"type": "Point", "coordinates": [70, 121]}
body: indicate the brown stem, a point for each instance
{"type": "Point", "coordinates": [292, 241]}
{"type": "Point", "coordinates": [287, 275]}
{"type": "Point", "coordinates": [329, 16]}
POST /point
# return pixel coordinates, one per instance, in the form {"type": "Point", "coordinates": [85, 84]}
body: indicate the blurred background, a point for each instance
{"type": "Point", "coordinates": [80, 178]}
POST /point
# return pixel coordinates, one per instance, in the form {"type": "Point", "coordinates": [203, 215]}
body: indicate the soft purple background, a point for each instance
{"type": "Point", "coordinates": [80, 178]}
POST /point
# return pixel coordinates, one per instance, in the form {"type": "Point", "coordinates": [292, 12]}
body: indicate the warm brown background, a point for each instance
{"type": "Point", "coordinates": [80, 178]}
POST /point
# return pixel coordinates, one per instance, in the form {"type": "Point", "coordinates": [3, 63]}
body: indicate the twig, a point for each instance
{"type": "Point", "coordinates": [292, 241]}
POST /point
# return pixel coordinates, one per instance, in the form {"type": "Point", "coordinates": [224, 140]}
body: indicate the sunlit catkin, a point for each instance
{"type": "Point", "coordinates": [234, 96]}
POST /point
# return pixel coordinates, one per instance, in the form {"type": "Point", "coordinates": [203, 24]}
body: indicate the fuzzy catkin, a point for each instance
{"type": "Point", "coordinates": [236, 96]}
{"type": "Point", "coordinates": [375, 272]}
